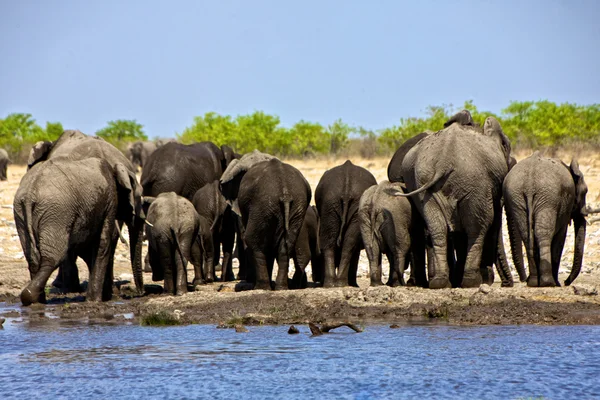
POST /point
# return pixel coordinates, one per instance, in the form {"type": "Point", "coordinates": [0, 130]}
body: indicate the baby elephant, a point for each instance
{"type": "Point", "coordinates": [385, 225]}
{"type": "Point", "coordinates": [542, 196]}
{"type": "Point", "coordinates": [173, 228]}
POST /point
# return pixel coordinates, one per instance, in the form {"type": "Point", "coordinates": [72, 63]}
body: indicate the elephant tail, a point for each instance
{"type": "Point", "coordinates": [343, 222]}
{"type": "Point", "coordinates": [437, 177]}
{"type": "Point", "coordinates": [375, 230]}
{"type": "Point", "coordinates": [530, 233]}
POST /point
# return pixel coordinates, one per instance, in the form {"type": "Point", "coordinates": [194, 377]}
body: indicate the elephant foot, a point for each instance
{"type": "Point", "coordinates": [197, 282]}
{"type": "Point", "coordinates": [279, 286]}
{"type": "Point", "coordinates": [209, 279]}
{"type": "Point", "coordinates": [29, 297]}
{"type": "Point", "coordinates": [229, 277]}
{"type": "Point", "coordinates": [471, 281]}
{"type": "Point", "coordinates": [439, 283]}
{"type": "Point", "coordinates": [262, 286]}
{"type": "Point", "coordinates": [532, 281]}
{"type": "Point", "coordinates": [394, 283]}
{"type": "Point", "coordinates": [547, 282]}
{"type": "Point", "coordinates": [147, 268]}
{"type": "Point", "coordinates": [507, 283]}
{"type": "Point", "coordinates": [411, 282]}
{"type": "Point", "coordinates": [376, 282]}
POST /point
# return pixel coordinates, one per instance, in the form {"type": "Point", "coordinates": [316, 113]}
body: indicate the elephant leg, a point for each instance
{"type": "Point", "coordinates": [34, 291]}
{"type": "Point", "coordinates": [227, 240]}
{"type": "Point", "coordinates": [316, 265]}
{"type": "Point", "coordinates": [179, 265]}
{"type": "Point", "coordinates": [544, 233]}
{"type": "Point", "coordinates": [283, 264]}
{"type": "Point", "coordinates": [353, 268]}
{"type": "Point", "coordinates": [67, 278]}
{"type": "Point", "coordinates": [460, 245]}
{"type": "Point", "coordinates": [299, 280]}
{"type": "Point", "coordinates": [242, 258]}
{"type": "Point", "coordinates": [263, 279]}
{"type": "Point", "coordinates": [558, 243]}
{"type": "Point", "coordinates": [197, 256]}
{"type": "Point", "coordinates": [472, 276]}
{"type": "Point", "coordinates": [101, 257]}
{"type": "Point", "coordinates": [396, 272]}
{"type": "Point", "coordinates": [374, 255]}
{"type": "Point", "coordinates": [107, 289]}
{"type": "Point", "coordinates": [439, 239]}
{"type": "Point", "coordinates": [349, 246]}
{"type": "Point", "coordinates": [329, 260]}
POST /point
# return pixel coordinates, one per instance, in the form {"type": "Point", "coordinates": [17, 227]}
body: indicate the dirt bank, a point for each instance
{"type": "Point", "coordinates": [215, 304]}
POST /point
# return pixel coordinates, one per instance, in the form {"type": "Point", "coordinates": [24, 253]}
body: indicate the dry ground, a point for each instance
{"type": "Point", "coordinates": [220, 303]}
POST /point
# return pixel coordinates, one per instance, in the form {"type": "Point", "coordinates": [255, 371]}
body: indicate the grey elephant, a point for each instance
{"type": "Point", "coordinates": [4, 161]}
{"type": "Point", "coordinates": [308, 250]}
{"type": "Point", "coordinates": [386, 225]}
{"type": "Point", "coordinates": [542, 196]}
{"type": "Point", "coordinates": [66, 209]}
{"type": "Point", "coordinates": [210, 203]}
{"type": "Point", "coordinates": [272, 199]}
{"type": "Point", "coordinates": [173, 229]}
{"type": "Point", "coordinates": [455, 180]}
{"type": "Point", "coordinates": [77, 146]}
{"type": "Point", "coordinates": [139, 152]}
{"type": "Point", "coordinates": [337, 198]}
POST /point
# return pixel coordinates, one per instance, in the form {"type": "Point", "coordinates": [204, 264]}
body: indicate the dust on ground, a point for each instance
{"type": "Point", "coordinates": [225, 303]}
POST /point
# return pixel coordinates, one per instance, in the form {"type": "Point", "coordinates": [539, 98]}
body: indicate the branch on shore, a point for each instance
{"type": "Point", "coordinates": [325, 328]}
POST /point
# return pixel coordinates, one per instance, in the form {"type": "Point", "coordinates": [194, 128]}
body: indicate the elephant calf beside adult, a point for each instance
{"type": "Point", "coordinates": [542, 196]}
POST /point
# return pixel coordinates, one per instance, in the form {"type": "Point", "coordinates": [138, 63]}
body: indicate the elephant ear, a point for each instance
{"type": "Point", "coordinates": [581, 188]}
{"type": "Point", "coordinates": [228, 156]}
{"type": "Point", "coordinates": [492, 128]}
{"type": "Point", "coordinates": [39, 152]}
{"type": "Point", "coordinates": [127, 187]}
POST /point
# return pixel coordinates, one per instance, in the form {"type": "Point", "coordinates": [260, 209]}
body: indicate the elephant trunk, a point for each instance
{"type": "Point", "coordinates": [580, 227]}
{"type": "Point", "coordinates": [516, 248]}
{"type": "Point", "coordinates": [135, 250]}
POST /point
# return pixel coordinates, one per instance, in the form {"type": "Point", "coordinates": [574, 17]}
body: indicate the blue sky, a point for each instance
{"type": "Point", "coordinates": [370, 63]}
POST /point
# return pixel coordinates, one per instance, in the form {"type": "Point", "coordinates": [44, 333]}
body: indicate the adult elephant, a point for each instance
{"type": "Point", "coordinates": [273, 198]}
{"type": "Point", "coordinates": [139, 152]}
{"type": "Point", "coordinates": [4, 161]}
{"type": "Point", "coordinates": [455, 177]}
{"type": "Point", "coordinates": [65, 209]}
{"type": "Point", "coordinates": [78, 146]}
{"type": "Point", "coordinates": [542, 196]}
{"type": "Point", "coordinates": [337, 199]}
{"type": "Point", "coordinates": [184, 169]}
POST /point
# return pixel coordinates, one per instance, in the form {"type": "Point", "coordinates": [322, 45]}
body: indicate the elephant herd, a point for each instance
{"type": "Point", "coordinates": [439, 215]}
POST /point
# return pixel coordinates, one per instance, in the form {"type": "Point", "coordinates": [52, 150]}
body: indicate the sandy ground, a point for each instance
{"type": "Point", "coordinates": [222, 303]}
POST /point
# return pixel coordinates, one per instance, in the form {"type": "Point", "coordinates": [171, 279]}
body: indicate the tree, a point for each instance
{"type": "Point", "coordinates": [122, 130]}
{"type": "Point", "coordinates": [339, 133]}
{"type": "Point", "coordinates": [17, 129]}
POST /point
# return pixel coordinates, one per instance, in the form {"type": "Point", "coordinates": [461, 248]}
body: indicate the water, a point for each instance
{"type": "Point", "coordinates": [78, 360]}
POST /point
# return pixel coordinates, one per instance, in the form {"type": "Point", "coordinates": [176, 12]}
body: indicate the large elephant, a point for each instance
{"type": "Point", "coordinates": [308, 250]}
{"type": "Point", "coordinates": [211, 204]}
{"type": "Point", "coordinates": [455, 177]}
{"type": "Point", "coordinates": [184, 169]}
{"type": "Point", "coordinates": [173, 228]}
{"type": "Point", "coordinates": [77, 146]}
{"type": "Point", "coordinates": [66, 209]}
{"type": "Point", "coordinates": [387, 226]}
{"type": "Point", "coordinates": [139, 152]}
{"type": "Point", "coordinates": [542, 196]}
{"type": "Point", "coordinates": [337, 198]}
{"type": "Point", "coordinates": [4, 161]}
{"type": "Point", "coordinates": [272, 198]}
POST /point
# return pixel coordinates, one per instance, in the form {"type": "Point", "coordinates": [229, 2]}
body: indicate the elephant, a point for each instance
{"type": "Point", "coordinates": [138, 153]}
{"type": "Point", "coordinates": [162, 142]}
{"type": "Point", "coordinates": [229, 185]}
{"type": "Point", "coordinates": [454, 177]}
{"type": "Point", "coordinates": [542, 196]}
{"type": "Point", "coordinates": [337, 199]}
{"type": "Point", "coordinates": [272, 199]}
{"type": "Point", "coordinates": [174, 226]}
{"type": "Point", "coordinates": [65, 209]}
{"type": "Point", "coordinates": [77, 146]}
{"type": "Point", "coordinates": [307, 250]}
{"type": "Point", "coordinates": [184, 169]}
{"type": "Point", "coordinates": [210, 203]}
{"type": "Point", "coordinates": [394, 170]}
{"type": "Point", "coordinates": [387, 226]}
{"type": "Point", "coordinates": [4, 161]}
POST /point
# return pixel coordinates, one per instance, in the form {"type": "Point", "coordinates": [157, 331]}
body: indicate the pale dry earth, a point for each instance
{"type": "Point", "coordinates": [221, 303]}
